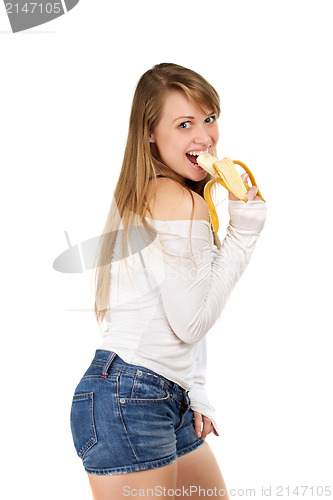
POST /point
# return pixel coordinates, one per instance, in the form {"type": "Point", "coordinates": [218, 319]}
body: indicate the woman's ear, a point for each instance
{"type": "Point", "coordinates": [152, 138]}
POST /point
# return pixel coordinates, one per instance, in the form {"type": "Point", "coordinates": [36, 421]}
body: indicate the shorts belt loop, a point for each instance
{"type": "Point", "coordinates": [111, 357]}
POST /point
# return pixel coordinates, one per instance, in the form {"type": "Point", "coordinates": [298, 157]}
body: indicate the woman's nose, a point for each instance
{"type": "Point", "coordinates": [201, 135]}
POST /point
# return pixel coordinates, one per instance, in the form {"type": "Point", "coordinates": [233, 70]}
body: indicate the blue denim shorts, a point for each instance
{"type": "Point", "coordinates": [127, 418]}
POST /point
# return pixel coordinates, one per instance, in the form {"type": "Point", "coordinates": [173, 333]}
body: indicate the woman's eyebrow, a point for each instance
{"type": "Point", "coordinates": [192, 117]}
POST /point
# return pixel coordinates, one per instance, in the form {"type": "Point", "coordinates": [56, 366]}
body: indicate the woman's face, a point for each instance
{"type": "Point", "coordinates": [184, 128]}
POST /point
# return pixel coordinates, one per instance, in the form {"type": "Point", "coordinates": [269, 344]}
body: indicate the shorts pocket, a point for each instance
{"type": "Point", "coordinates": [141, 388]}
{"type": "Point", "coordinates": [82, 423]}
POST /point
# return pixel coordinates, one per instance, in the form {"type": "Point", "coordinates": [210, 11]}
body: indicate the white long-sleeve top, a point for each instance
{"type": "Point", "coordinates": [162, 306]}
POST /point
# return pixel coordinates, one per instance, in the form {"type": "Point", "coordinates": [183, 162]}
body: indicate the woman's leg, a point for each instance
{"type": "Point", "coordinates": [199, 468]}
{"type": "Point", "coordinates": [118, 486]}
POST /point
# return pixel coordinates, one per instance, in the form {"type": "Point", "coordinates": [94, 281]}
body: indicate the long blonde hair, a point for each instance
{"type": "Point", "coordinates": [142, 161]}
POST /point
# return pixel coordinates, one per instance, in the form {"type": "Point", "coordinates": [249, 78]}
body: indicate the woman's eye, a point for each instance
{"type": "Point", "coordinates": [210, 119]}
{"type": "Point", "coordinates": [184, 125]}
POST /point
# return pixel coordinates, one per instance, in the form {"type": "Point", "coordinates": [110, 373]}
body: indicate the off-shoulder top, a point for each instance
{"type": "Point", "coordinates": [166, 295]}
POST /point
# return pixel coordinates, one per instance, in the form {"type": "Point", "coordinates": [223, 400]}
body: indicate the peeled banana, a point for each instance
{"type": "Point", "coordinates": [226, 174]}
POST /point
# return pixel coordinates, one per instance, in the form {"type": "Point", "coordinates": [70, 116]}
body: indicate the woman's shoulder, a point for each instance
{"type": "Point", "coordinates": [172, 201]}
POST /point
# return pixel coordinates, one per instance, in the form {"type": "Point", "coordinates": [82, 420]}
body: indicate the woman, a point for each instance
{"type": "Point", "coordinates": [140, 414]}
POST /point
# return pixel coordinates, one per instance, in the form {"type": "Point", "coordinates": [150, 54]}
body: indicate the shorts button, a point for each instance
{"type": "Point", "coordinates": [122, 400]}
{"type": "Point", "coordinates": [139, 372]}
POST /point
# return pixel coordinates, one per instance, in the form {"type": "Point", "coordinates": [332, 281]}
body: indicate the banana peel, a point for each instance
{"type": "Point", "coordinates": [226, 174]}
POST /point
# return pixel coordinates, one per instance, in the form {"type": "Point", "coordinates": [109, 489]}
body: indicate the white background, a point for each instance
{"type": "Point", "coordinates": [66, 91]}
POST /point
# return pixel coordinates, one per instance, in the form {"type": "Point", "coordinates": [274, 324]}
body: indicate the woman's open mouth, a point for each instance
{"type": "Point", "coordinates": [192, 158]}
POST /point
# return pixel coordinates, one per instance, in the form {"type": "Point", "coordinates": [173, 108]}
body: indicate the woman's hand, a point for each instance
{"type": "Point", "coordinates": [208, 427]}
{"type": "Point", "coordinates": [251, 194]}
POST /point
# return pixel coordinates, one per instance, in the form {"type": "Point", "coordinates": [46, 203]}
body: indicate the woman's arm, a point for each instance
{"type": "Point", "coordinates": [200, 402]}
{"type": "Point", "coordinates": [195, 289]}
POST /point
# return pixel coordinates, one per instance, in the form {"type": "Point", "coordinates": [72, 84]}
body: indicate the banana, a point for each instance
{"type": "Point", "coordinates": [226, 174]}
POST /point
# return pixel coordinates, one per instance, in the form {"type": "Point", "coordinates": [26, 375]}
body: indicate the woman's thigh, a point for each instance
{"type": "Point", "coordinates": [199, 469]}
{"type": "Point", "coordinates": [145, 484]}
{"type": "Point", "coordinates": [180, 479]}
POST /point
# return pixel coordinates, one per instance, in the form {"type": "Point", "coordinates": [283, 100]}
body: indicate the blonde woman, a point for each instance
{"type": "Point", "coordinates": [140, 413]}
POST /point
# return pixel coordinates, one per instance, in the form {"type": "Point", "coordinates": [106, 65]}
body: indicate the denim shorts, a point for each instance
{"type": "Point", "coordinates": [127, 418]}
